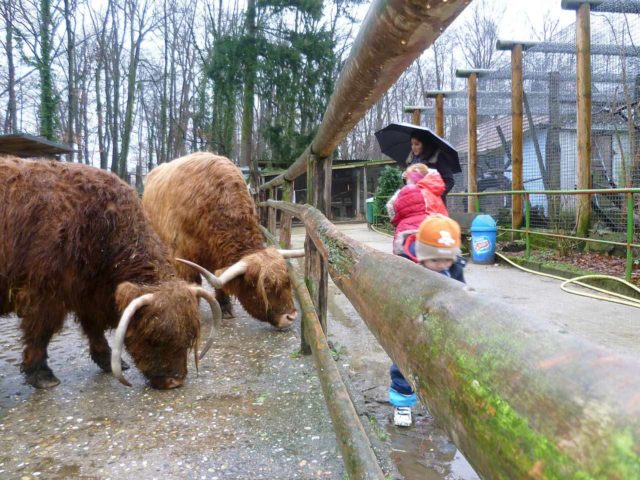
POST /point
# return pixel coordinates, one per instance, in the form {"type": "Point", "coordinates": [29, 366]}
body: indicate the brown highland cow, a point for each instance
{"type": "Point", "coordinates": [201, 207]}
{"type": "Point", "coordinates": [75, 239]}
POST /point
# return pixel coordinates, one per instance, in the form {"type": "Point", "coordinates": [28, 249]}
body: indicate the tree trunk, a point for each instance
{"type": "Point", "coordinates": [11, 124]}
{"type": "Point", "coordinates": [48, 103]}
{"type": "Point", "coordinates": [104, 161]}
{"type": "Point", "coordinates": [72, 100]}
{"type": "Point", "coordinates": [134, 60]}
{"type": "Point", "coordinates": [249, 91]}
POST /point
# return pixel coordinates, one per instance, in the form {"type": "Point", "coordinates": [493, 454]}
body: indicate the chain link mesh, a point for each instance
{"type": "Point", "coordinates": [549, 143]}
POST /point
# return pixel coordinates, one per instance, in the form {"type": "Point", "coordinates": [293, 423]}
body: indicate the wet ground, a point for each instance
{"type": "Point", "coordinates": [254, 410]}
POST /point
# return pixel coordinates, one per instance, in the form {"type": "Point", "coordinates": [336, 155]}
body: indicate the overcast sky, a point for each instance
{"type": "Point", "coordinates": [532, 12]}
{"type": "Point", "coordinates": [517, 16]}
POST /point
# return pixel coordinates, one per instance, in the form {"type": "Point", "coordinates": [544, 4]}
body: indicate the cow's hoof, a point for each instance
{"type": "Point", "coordinates": [103, 360]}
{"type": "Point", "coordinates": [227, 312]}
{"type": "Point", "coordinates": [42, 379]}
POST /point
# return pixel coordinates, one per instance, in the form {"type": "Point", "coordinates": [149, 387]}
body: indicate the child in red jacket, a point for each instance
{"type": "Point", "coordinates": [420, 197]}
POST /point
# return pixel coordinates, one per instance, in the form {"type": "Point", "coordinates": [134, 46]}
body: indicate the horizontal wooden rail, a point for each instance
{"type": "Point", "coordinates": [517, 396]}
{"type": "Point", "coordinates": [359, 460]}
{"type": "Point", "coordinates": [393, 34]}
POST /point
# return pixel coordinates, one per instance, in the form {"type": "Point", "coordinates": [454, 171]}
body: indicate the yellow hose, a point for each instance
{"type": "Point", "coordinates": [622, 299]}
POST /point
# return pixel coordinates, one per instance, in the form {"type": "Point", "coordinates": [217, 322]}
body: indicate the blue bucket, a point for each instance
{"type": "Point", "coordinates": [483, 239]}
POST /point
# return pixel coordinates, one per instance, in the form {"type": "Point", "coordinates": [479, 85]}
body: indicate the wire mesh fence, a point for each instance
{"type": "Point", "coordinates": [549, 136]}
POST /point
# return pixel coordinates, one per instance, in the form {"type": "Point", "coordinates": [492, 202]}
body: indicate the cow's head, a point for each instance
{"type": "Point", "coordinates": [261, 282]}
{"type": "Point", "coordinates": [159, 325]}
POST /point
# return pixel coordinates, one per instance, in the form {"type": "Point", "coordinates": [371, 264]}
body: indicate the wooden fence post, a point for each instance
{"type": "Point", "coordinates": [472, 76]}
{"type": "Point", "coordinates": [583, 65]}
{"type": "Point", "coordinates": [271, 213]}
{"type": "Point", "coordinates": [415, 116]}
{"type": "Point", "coordinates": [472, 135]}
{"type": "Point", "coordinates": [316, 272]}
{"type": "Point", "coordinates": [440, 115]}
{"type": "Point", "coordinates": [516, 134]}
{"type": "Point", "coordinates": [285, 217]}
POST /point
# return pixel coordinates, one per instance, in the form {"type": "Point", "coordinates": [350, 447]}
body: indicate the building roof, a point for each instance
{"type": "Point", "coordinates": [338, 165]}
{"type": "Point", "coordinates": [488, 137]}
{"type": "Point", "coordinates": [25, 145]}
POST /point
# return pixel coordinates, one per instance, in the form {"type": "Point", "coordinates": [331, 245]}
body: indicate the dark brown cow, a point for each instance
{"type": "Point", "coordinates": [75, 239]}
{"type": "Point", "coordinates": [201, 207]}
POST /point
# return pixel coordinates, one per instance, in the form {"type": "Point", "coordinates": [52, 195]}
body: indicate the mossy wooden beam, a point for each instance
{"type": "Point", "coordinates": [518, 395]}
{"type": "Point", "coordinates": [393, 34]}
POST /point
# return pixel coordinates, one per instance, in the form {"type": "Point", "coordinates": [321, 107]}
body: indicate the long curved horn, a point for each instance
{"type": "Point", "coordinates": [210, 277]}
{"type": "Point", "coordinates": [230, 273]}
{"type": "Point", "coordinates": [216, 313]}
{"type": "Point", "coordinates": [233, 271]}
{"type": "Point", "coordinates": [291, 253]}
{"type": "Point", "coordinates": [118, 341]}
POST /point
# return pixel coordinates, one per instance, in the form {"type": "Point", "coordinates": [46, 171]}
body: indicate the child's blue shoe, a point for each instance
{"type": "Point", "coordinates": [399, 400]}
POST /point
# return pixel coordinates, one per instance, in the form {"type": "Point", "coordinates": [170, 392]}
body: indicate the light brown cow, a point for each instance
{"type": "Point", "coordinates": [201, 207]}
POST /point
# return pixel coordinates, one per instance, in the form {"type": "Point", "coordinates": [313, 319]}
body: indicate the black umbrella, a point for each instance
{"type": "Point", "coordinates": [395, 142]}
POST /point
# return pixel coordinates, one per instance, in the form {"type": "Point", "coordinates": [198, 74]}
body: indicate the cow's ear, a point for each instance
{"type": "Point", "coordinates": [125, 293]}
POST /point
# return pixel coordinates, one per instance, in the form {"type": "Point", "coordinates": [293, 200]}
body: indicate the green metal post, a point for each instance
{"type": "Point", "coordinates": [627, 271]}
{"type": "Point", "coordinates": [527, 224]}
{"type": "Point", "coordinates": [477, 200]}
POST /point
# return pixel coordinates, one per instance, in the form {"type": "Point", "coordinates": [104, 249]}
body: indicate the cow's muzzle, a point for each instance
{"type": "Point", "coordinates": [285, 320]}
{"type": "Point", "coordinates": [166, 383]}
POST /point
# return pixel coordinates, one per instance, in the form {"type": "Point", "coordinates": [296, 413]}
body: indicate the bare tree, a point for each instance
{"type": "Point", "coordinates": [477, 36]}
{"type": "Point", "coordinates": [72, 107]}
{"type": "Point", "coordinates": [7, 9]}
{"type": "Point", "coordinates": [139, 25]}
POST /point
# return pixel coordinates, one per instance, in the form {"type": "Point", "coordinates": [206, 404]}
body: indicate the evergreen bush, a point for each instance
{"type": "Point", "coordinates": [390, 180]}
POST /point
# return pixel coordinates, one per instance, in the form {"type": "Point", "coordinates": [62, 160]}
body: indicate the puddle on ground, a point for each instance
{"type": "Point", "coordinates": [421, 452]}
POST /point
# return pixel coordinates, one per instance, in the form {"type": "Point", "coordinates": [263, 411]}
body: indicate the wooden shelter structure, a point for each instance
{"type": "Point", "coordinates": [25, 145]}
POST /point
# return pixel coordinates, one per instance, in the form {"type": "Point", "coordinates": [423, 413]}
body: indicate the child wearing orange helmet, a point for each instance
{"type": "Point", "coordinates": [436, 246]}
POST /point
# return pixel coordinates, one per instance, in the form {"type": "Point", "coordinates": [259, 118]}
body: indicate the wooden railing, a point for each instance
{"type": "Point", "coordinates": [519, 398]}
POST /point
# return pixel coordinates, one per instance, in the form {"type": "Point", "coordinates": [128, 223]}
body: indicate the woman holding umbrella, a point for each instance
{"type": "Point", "coordinates": [408, 144]}
{"type": "Point", "coordinates": [433, 158]}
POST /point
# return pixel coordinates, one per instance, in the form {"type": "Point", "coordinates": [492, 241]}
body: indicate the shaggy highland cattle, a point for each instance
{"type": "Point", "coordinates": [75, 239]}
{"type": "Point", "coordinates": [201, 207]}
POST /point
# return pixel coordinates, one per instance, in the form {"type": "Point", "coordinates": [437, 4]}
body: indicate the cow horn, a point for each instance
{"type": "Point", "coordinates": [229, 274]}
{"type": "Point", "coordinates": [291, 253]}
{"type": "Point", "coordinates": [210, 277]}
{"type": "Point", "coordinates": [118, 341]}
{"type": "Point", "coordinates": [216, 313]}
{"type": "Point", "coordinates": [233, 271]}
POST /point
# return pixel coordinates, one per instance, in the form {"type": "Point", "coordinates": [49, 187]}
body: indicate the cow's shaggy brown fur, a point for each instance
{"type": "Point", "coordinates": [75, 239]}
{"type": "Point", "coordinates": [201, 207]}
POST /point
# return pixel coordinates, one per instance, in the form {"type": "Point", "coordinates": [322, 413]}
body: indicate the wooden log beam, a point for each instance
{"type": "Point", "coordinates": [393, 34]}
{"type": "Point", "coordinates": [357, 455]}
{"type": "Point", "coordinates": [519, 397]}
{"type": "Point", "coordinates": [359, 460]}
